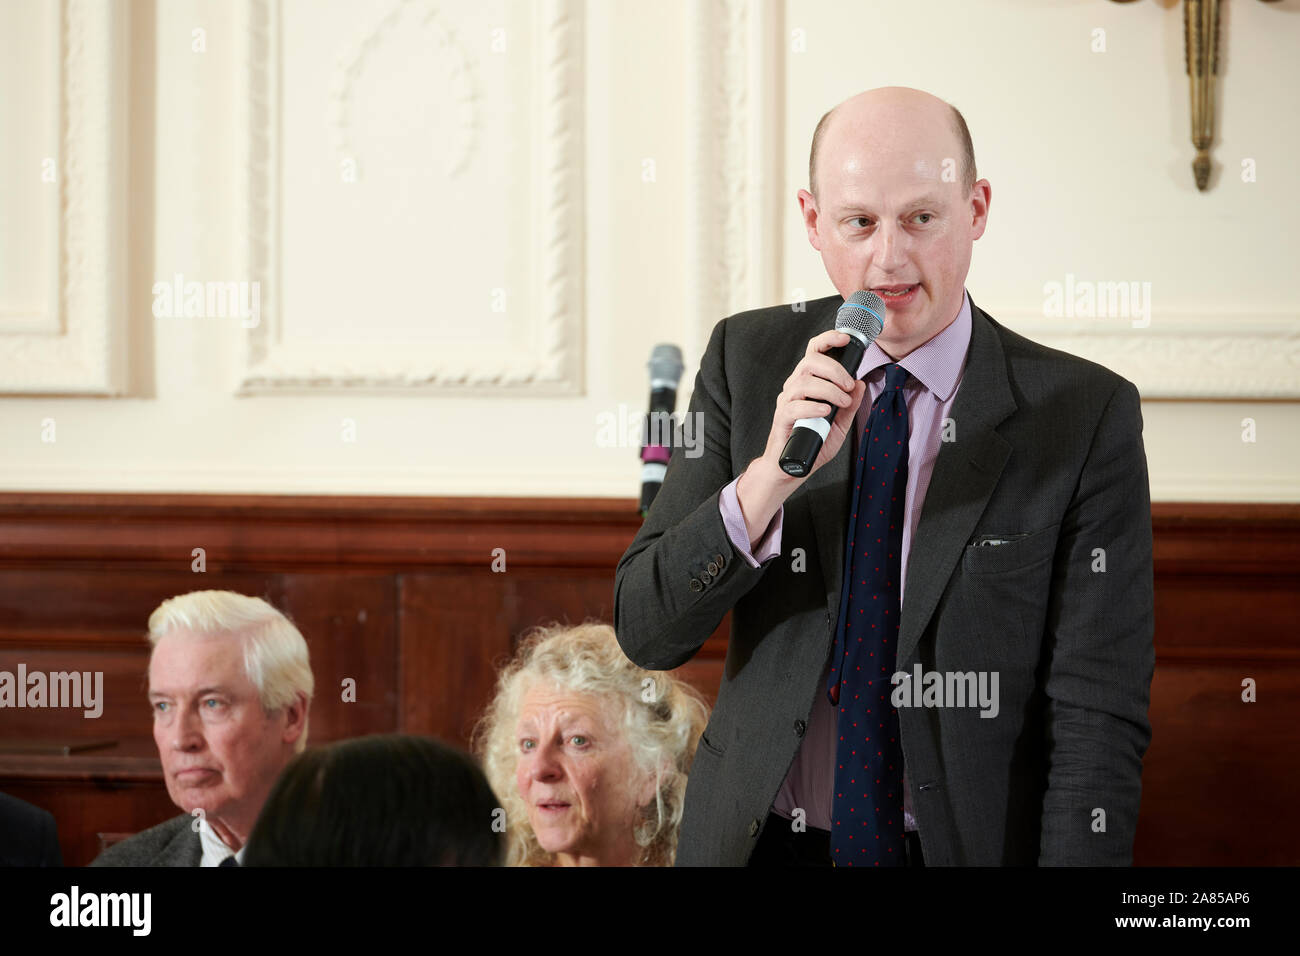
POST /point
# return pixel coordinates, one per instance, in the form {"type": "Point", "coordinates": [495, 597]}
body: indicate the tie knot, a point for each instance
{"type": "Point", "coordinates": [895, 375]}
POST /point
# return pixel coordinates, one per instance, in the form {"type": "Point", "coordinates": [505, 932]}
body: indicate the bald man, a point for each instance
{"type": "Point", "coordinates": [957, 671]}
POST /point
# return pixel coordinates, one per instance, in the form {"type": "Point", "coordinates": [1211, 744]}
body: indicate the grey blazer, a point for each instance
{"type": "Point", "coordinates": [1048, 451]}
{"type": "Point", "coordinates": [174, 843]}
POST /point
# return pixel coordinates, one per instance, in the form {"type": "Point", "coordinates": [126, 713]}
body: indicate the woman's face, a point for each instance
{"type": "Point", "coordinates": [577, 776]}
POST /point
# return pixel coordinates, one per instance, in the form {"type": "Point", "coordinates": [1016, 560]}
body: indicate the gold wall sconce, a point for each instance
{"type": "Point", "coordinates": [1201, 58]}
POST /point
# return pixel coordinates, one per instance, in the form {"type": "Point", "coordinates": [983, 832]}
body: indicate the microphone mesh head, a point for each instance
{"type": "Point", "coordinates": [666, 363]}
{"type": "Point", "coordinates": [863, 312]}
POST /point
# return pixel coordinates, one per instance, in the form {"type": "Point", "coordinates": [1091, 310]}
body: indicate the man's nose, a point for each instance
{"type": "Point", "coordinates": [891, 247]}
{"type": "Point", "coordinates": [185, 732]}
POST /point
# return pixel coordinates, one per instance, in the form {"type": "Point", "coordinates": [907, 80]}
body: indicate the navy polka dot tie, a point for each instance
{"type": "Point", "coordinates": [867, 807]}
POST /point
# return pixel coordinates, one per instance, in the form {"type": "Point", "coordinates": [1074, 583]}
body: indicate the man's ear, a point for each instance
{"type": "Point", "coordinates": [981, 198]}
{"type": "Point", "coordinates": [295, 718]}
{"type": "Point", "coordinates": [808, 210]}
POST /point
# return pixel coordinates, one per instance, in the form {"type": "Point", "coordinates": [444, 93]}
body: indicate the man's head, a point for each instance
{"type": "Point", "coordinates": [895, 204]}
{"type": "Point", "coordinates": [230, 686]}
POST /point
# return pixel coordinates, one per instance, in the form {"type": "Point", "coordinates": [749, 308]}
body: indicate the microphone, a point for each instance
{"type": "Point", "coordinates": [656, 448]}
{"type": "Point", "coordinates": [862, 316]}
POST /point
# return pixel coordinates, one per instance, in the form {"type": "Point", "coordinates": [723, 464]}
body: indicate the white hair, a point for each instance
{"type": "Point", "coordinates": [275, 653]}
{"type": "Point", "coordinates": [662, 718]}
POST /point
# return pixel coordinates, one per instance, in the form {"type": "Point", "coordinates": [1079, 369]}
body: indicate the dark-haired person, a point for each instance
{"type": "Point", "coordinates": [382, 800]}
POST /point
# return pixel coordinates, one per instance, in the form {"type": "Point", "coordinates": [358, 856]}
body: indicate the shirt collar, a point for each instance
{"type": "Point", "coordinates": [938, 363]}
{"type": "Point", "coordinates": [214, 848]}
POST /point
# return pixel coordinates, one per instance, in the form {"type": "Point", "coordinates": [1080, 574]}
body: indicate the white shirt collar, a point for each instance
{"type": "Point", "coordinates": [214, 848]}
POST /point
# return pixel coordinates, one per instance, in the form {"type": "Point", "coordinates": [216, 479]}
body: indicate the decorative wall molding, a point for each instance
{"type": "Point", "coordinates": [86, 355]}
{"type": "Point", "coordinates": [1182, 356]}
{"type": "Point", "coordinates": [459, 69]}
{"type": "Point", "coordinates": [735, 169]}
{"type": "Point", "coordinates": [550, 359]}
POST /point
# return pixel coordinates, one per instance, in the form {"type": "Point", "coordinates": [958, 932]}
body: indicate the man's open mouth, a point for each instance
{"type": "Point", "coordinates": [894, 291]}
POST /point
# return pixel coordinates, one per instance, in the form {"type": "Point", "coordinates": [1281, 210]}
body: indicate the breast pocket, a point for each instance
{"type": "Point", "coordinates": [1015, 552]}
{"type": "Point", "coordinates": [1005, 589]}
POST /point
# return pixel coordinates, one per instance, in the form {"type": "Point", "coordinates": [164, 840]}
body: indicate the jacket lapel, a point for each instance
{"type": "Point", "coordinates": [966, 472]}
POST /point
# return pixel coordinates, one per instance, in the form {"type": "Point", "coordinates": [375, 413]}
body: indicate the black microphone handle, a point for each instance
{"type": "Point", "coordinates": [805, 443]}
{"type": "Point", "coordinates": [660, 418]}
{"type": "Point", "coordinates": [663, 399]}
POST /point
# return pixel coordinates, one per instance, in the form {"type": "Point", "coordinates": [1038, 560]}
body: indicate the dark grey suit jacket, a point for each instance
{"type": "Point", "coordinates": [174, 843]}
{"type": "Point", "coordinates": [1047, 446]}
{"type": "Point", "coordinates": [28, 834]}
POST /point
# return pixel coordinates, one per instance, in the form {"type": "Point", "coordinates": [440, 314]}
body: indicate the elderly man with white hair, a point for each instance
{"type": "Point", "coordinates": [230, 686]}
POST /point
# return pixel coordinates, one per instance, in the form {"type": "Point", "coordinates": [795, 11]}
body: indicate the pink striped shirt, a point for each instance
{"type": "Point", "coordinates": [935, 371]}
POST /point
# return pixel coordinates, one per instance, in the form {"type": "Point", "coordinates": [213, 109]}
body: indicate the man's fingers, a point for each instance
{"type": "Point", "coordinates": [815, 389]}
{"type": "Point", "coordinates": [855, 398]}
{"type": "Point", "coordinates": [820, 390]}
{"type": "Point", "coordinates": [817, 366]}
{"type": "Point", "coordinates": [827, 340]}
{"type": "Point", "coordinates": [823, 366]}
{"type": "Point", "coordinates": [804, 409]}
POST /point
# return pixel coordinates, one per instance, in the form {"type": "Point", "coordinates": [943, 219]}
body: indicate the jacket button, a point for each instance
{"type": "Point", "coordinates": [717, 559]}
{"type": "Point", "coordinates": [705, 576]}
{"type": "Point", "coordinates": [713, 567]}
{"type": "Point", "coordinates": [799, 728]}
{"type": "Point", "coordinates": [753, 827]}
{"type": "Point", "coordinates": [696, 585]}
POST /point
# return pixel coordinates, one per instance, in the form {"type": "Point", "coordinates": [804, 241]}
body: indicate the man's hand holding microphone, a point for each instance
{"type": "Point", "coordinates": [814, 413]}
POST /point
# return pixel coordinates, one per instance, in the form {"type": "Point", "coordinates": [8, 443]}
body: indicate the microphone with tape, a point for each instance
{"type": "Point", "coordinates": [656, 446]}
{"type": "Point", "coordinates": [862, 316]}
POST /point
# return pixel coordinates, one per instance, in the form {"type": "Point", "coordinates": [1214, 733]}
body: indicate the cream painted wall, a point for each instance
{"type": "Point", "coordinates": [1087, 152]}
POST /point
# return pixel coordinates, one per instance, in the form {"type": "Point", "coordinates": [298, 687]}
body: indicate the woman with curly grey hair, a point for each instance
{"type": "Point", "coordinates": [588, 753]}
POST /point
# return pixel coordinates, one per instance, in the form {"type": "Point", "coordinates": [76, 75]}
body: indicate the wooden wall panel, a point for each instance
{"type": "Point", "coordinates": [350, 623]}
{"type": "Point", "coordinates": [1219, 780]}
{"type": "Point", "coordinates": [399, 593]}
{"type": "Point", "coordinates": [125, 711]}
{"type": "Point", "coordinates": [454, 631]}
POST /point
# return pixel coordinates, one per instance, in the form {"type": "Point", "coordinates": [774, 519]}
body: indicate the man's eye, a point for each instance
{"type": "Point", "coordinates": [160, 706]}
{"type": "Point", "coordinates": [526, 745]}
{"type": "Point", "coordinates": [579, 740]}
{"type": "Point", "coordinates": [928, 216]}
{"type": "Point", "coordinates": [212, 700]}
{"type": "Point", "coordinates": [861, 221]}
